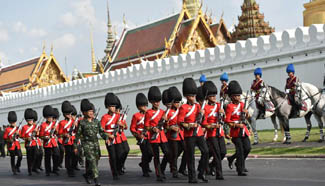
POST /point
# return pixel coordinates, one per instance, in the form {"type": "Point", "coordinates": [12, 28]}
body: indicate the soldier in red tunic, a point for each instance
{"type": "Point", "coordinates": [154, 122]}
{"type": "Point", "coordinates": [49, 141]}
{"type": "Point", "coordinates": [30, 141]}
{"type": "Point", "coordinates": [110, 123]}
{"type": "Point", "coordinates": [138, 131]}
{"type": "Point", "coordinates": [215, 133]}
{"type": "Point", "coordinates": [10, 135]}
{"type": "Point", "coordinates": [66, 131]}
{"type": "Point", "coordinates": [189, 119]}
{"type": "Point", "coordinates": [235, 116]}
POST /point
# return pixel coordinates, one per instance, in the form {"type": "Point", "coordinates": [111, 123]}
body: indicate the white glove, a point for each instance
{"type": "Point", "coordinates": [287, 91]}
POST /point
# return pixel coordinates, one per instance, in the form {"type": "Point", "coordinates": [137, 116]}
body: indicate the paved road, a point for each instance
{"type": "Point", "coordinates": [262, 172]}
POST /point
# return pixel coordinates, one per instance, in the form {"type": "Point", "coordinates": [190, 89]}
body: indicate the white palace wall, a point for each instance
{"type": "Point", "coordinates": [303, 46]}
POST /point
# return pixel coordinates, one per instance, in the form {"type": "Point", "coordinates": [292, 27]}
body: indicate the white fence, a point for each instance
{"type": "Point", "coordinates": [303, 46]}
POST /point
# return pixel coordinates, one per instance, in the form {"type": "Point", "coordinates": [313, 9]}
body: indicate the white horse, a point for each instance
{"type": "Point", "coordinates": [306, 92]}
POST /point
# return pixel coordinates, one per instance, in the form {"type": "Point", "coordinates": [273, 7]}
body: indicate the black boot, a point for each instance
{"type": "Point", "coordinates": [96, 182]}
{"type": "Point", "coordinates": [87, 178]}
{"type": "Point", "coordinates": [203, 178]}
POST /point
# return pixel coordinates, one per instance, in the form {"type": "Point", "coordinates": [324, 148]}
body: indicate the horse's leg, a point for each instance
{"type": "Point", "coordinates": [309, 126]}
{"type": "Point", "coordinates": [320, 125]}
{"type": "Point", "coordinates": [285, 124]}
{"type": "Point", "coordinates": [253, 126]}
{"type": "Point", "coordinates": [275, 124]}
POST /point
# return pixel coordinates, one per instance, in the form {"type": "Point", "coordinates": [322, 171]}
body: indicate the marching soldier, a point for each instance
{"type": "Point", "coordinates": [235, 116]}
{"type": "Point", "coordinates": [88, 129]}
{"type": "Point", "coordinates": [47, 132]}
{"type": "Point", "coordinates": [290, 89]}
{"type": "Point", "coordinates": [139, 132]}
{"type": "Point", "coordinates": [66, 131]}
{"type": "Point", "coordinates": [2, 143]}
{"type": "Point", "coordinates": [11, 137]}
{"type": "Point", "coordinates": [175, 133]}
{"type": "Point", "coordinates": [110, 123]}
{"type": "Point", "coordinates": [39, 149]}
{"type": "Point", "coordinates": [79, 156]}
{"type": "Point", "coordinates": [188, 118]}
{"type": "Point", "coordinates": [60, 145]}
{"type": "Point", "coordinates": [154, 123]}
{"type": "Point", "coordinates": [213, 127]}
{"type": "Point", "coordinates": [125, 144]}
{"type": "Point", "coordinates": [28, 134]}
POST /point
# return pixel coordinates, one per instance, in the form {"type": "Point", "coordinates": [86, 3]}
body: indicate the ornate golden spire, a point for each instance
{"type": "Point", "coordinates": [43, 52]}
{"type": "Point", "coordinates": [51, 49]}
{"type": "Point", "coordinates": [193, 7]}
{"type": "Point", "coordinates": [93, 58]}
{"type": "Point", "coordinates": [110, 37]}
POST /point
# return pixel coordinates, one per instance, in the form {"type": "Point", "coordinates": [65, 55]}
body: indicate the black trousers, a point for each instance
{"type": "Point", "coordinates": [190, 143]}
{"type": "Point", "coordinates": [69, 158]}
{"type": "Point", "coordinates": [126, 150]}
{"type": "Point", "coordinates": [2, 150]}
{"type": "Point", "coordinates": [13, 163]}
{"type": "Point", "coordinates": [115, 152]}
{"type": "Point", "coordinates": [61, 149]}
{"type": "Point", "coordinates": [147, 155]}
{"type": "Point", "coordinates": [39, 157]}
{"type": "Point", "coordinates": [223, 151]}
{"type": "Point", "coordinates": [32, 156]}
{"type": "Point", "coordinates": [216, 153]}
{"type": "Point", "coordinates": [54, 154]}
{"type": "Point", "coordinates": [243, 147]}
{"type": "Point", "coordinates": [176, 149]}
{"type": "Point", "coordinates": [156, 156]}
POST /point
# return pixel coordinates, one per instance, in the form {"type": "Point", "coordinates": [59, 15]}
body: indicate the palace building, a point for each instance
{"type": "Point", "coordinates": [31, 74]}
{"type": "Point", "coordinates": [314, 13]}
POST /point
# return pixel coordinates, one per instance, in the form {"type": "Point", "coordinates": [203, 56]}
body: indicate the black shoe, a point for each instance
{"type": "Point", "coordinates": [184, 173]}
{"type": "Point", "coordinates": [87, 179]}
{"type": "Point", "coordinates": [163, 176]}
{"type": "Point", "coordinates": [96, 182]}
{"type": "Point", "coordinates": [219, 178]}
{"type": "Point", "coordinates": [175, 175]}
{"type": "Point", "coordinates": [56, 173]}
{"type": "Point", "coordinates": [47, 174]}
{"type": "Point", "coordinates": [41, 169]}
{"type": "Point", "coordinates": [242, 174]}
{"type": "Point", "coordinates": [245, 170]}
{"type": "Point", "coordinates": [35, 170]}
{"type": "Point", "coordinates": [230, 163]}
{"type": "Point", "coordinates": [116, 177]}
{"type": "Point", "coordinates": [192, 181]}
{"type": "Point", "coordinates": [149, 170]}
{"type": "Point", "coordinates": [60, 166]}
{"type": "Point", "coordinates": [203, 178]}
{"type": "Point", "coordinates": [14, 172]}
{"type": "Point", "coordinates": [146, 175]}
{"type": "Point", "coordinates": [160, 179]}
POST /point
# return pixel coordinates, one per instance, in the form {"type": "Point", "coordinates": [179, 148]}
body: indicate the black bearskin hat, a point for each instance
{"type": "Point", "coordinates": [154, 94]}
{"type": "Point", "coordinates": [12, 117]}
{"type": "Point", "coordinates": [141, 100]}
{"type": "Point", "coordinates": [189, 87]}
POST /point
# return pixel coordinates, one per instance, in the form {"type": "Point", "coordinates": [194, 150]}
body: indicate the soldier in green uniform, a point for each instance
{"type": "Point", "coordinates": [87, 132]}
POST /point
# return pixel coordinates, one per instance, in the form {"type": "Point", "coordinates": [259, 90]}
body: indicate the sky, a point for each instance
{"type": "Point", "coordinates": [26, 24]}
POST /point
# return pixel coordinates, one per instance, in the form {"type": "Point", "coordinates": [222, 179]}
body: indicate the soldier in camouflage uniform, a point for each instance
{"type": "Point", "coordinates": [87, 133]}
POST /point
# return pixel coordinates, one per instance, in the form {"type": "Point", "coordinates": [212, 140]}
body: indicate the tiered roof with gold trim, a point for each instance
{"type": "Point", "coordinates": [184, 32]}
{"type": "Point", "coordinates": [251, 23]}
{"type": "Point", "coordinates": [30, 74]}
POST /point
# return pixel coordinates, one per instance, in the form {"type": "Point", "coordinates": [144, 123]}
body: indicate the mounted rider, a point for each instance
{"type": "Point", "coordinates": [266, 107]}
{"type": "Point", "coordinates": [290, 90]}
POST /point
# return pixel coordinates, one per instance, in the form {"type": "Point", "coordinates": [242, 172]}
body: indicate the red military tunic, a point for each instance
{"type": "Point", "coordinates": [233, 112]}
{"type": "Point", "coordinates": [211, 113]}
{"type": "Point", "coordinates": [186, 115]}
{"type": "Point", "coordinates": [152, 117]}
{"type": "Point", "coordinates": [172, 119]}
{"type": "Point", "coordinates": [109, 123]}
{"type": "Point", "coordinates": [256, 87]}
{"type": "Point", "coordinates": [8, 135]}
{"type": "Point", "coordinates": [223, 90]}
{"type": "Point", "coordinates": [291, 84]}
{"type": "Point", "coordinates": [64, 128]}
{"type": "Point", "coordinates": [137, 124]}
{"type": "Point", "coordinates": [26, 132]}
{"type": "Point", "coordinates": [45, 130]}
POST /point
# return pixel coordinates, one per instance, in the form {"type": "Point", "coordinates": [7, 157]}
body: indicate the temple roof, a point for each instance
{"type": "Point", "coordinates": [145, 40]}
{"type": "Point", "coordinates": [18, 74]}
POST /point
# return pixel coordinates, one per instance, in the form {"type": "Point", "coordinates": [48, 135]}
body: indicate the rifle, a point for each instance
{"type": "Point", "coordinates": [53, 131]}
{"type": "Point", "coordinates": [200, 116]}
{"type": "Point", "coordinates": [117, 128]}
{"type": "Point", "coordinates": [34, 134]}
{"type": "Point", "coordinates": [71, 129]}
{"type": "Point", "coordinates": [160, 126]}
{"type": "Point", "coordinates": [243, 115]}
{"type": "Point", "coordinates": [96, 115]}
{"type": "Point", "coordinates": [14, 136]}
{"type": "Point", "coordinates": [144, 133]}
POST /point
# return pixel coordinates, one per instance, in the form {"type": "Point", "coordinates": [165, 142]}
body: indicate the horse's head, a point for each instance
{"type": "Point", "coordinates": [298, 91]}
{"type": "Point", "coordinates": [265, 94]}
